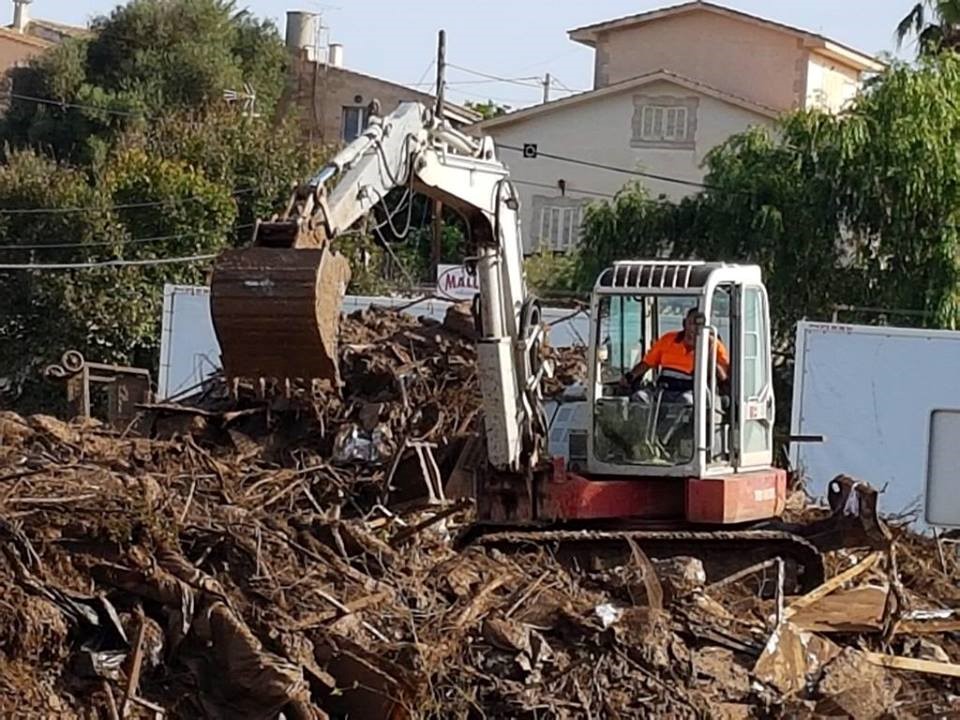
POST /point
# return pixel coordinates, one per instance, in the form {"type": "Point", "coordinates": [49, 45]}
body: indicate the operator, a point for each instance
{"type": "Point", "coordinates": [673, 354]}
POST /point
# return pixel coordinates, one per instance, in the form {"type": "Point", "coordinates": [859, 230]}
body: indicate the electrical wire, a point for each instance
{"type": "Point", "coordinates": [407, 197]}
{"type": "Point", "coordinates": [563, 86]}
{"type": "Point", "coordinates": [106, 263]}
{"type": "Point", "coordinates": [614, 168]}
{"type": "Point", "coordinates": [569, 190]}
{"type": "Point", "coordinates": [110, 243]}
{"type": "Point", "coordinates": [77, 106]}
{"type": "Point", "coordinates": [455, 83]}
{"type": "Point", "coordinates": [425, 72]}
{"type": "Point", "coordinates": [123, 206]}
{"type": "Point", "coordinates": [523, 81]}
{"type": "Point", "coordinates": [479, 96]}
{"type": "Point", "coordinates": [411, 283]}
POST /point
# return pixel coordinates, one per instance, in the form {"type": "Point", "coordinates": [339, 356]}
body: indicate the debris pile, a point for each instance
{"type": "Point", "coordinates": [252, 561]}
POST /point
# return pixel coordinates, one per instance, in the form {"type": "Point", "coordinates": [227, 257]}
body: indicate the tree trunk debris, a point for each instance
{"type": "Point", "coordinates": [291, 556]}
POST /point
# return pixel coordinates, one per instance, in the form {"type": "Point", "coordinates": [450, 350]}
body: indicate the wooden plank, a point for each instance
{"type": "Point", "coordinates": [136, 663]}
{"type": "Point", "coordinates": [895, 662]}
{"type": "Point", "coordinates": [927, 627]}
{"type": "Point", "coordinates": [859, 609]}
{"type": "Point", "coordinates": [833, 583]}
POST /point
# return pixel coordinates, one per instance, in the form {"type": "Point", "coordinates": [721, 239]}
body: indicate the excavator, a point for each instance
{"type": "Point", "coordinates": [688, 473]}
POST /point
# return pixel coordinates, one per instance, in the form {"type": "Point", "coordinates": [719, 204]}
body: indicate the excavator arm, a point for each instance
{"type": "Point", "coordinates": [276, 305]}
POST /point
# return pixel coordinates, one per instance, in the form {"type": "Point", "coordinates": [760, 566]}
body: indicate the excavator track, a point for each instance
{"type": "Point", "coordinates": [722, 552]}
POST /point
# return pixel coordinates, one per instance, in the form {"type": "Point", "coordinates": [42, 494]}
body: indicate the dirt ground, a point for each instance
{"type": "Point", "coordinates": [244, 559]}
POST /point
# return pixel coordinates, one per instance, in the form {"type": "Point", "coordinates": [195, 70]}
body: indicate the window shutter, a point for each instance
{"type": "Point", "coordinates": [681, 133]}
{"type": "Point", "coordinates": [647, 122]}
{"type": "Point", "coordinates": [658, 121]}
{"type": "Point", "coordinates": [670, 130]}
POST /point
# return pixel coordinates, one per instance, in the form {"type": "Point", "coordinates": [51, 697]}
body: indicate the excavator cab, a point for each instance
{"type": "Point", "coordinates": [699, 451]}
{"type": "Point", "coordinates": [714, 425]}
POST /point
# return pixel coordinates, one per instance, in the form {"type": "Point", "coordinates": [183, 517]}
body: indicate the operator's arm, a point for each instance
{"type": "Point", "coordinates": [650, 360]}
{"type": "Point", "coordinates": [723, 361]}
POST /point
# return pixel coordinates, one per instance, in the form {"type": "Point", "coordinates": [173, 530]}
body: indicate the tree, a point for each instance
{"type": "Point", "coordinates": [860, 208]}
{"type": "Point", "coordinates": [146, 59]}
{"type": "Point", "coordinates": [488, 109]}
{"type": "Point", "coordinates": [143, 162]}
{"type": "Point", "coordinates": [935, 24]}
{"type": "Point", "coordinates": [109, 314]}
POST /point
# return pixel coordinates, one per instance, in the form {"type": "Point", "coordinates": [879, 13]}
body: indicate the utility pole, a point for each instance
{"type": "Point", "coordinates": [546, 88]}
{"type": "Point", "coordinates": [441, 71]}
{"type": "Point", "coordinates": [436, 244]}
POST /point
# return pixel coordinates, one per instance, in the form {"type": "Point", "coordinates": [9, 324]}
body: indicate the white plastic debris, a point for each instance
{"type": "Point", "coordinates": [608, 614]}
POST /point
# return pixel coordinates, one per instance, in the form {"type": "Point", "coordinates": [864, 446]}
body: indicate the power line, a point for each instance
{"type": "Point", "coordinates": [547, 186]}
{"type": "Point", "coordinates": [78, 106]}
{"type": "Point", "coordinates": [420, 82]}
{"type": "Point", "coordinates": [111, 243]}
{"type": "Point", "coordinates": [614, 168]}
{"type": "Point", "coordinates": [498, 98]}
{"type": "Point", "coordinates": [124, 206]}
{"type": "Point", "coordinates": [460, 82]}
{"type": "Point", "coordinates": [563, 85]}
{"type": "Point", "coordinates": [523, 81]}
{"type": "Point", "coordinates": [107, 263]}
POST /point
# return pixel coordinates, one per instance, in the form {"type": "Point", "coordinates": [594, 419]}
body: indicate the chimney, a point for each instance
{"type": "Point", "coordinates": [302, 32]}
{"type": "Point", "coordinates": [335, 55]}
{"type": "Point", "coordinates": [21, 15]}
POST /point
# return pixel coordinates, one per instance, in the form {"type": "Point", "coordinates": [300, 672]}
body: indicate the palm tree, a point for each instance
{"type": "Point", "coordinates": [935, 23]}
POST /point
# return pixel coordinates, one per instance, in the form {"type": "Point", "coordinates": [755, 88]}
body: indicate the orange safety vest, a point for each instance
{"type": "Point", "coordinates": [671, 352]}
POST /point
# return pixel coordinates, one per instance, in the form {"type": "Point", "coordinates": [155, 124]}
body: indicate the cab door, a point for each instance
{"type": "Point", "coordinates": [754, 448]}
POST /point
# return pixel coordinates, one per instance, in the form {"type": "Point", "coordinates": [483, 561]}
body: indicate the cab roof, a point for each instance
{"type": "Point", "coordinates": [662, 274]}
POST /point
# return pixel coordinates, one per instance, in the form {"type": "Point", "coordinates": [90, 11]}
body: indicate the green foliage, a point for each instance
{"type": "Point", "coordinates": [259, 158]}
{"type": "Point", "coordinates": [488, 109]}
{"type": "Point", "coordinates": [934, 23]}
{"type": "Point", "coordinates": [856, 209]}
{"type": "Point", "coordinates": [148, 58]}
{"type": "Point", "coordinates": [632, 225]}
{"type": "Point", "coordinates": [554, 274]}
{"type": "Point", "coordinates": [189, 173]}
{"type": "Point", "coordinates": [109, 314]}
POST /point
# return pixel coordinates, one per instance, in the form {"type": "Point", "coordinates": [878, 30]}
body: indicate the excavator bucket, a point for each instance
{"type": "Point", "coordinates": [854, 519]}
{"type": "Point", "coordinates": [276, 310]}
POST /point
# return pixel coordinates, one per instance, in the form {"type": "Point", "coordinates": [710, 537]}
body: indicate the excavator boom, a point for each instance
{"type": "Point", "coordinates": [276, 305]}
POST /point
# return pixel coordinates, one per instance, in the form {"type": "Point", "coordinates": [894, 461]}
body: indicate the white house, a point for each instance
{"type": "Point", "coordinates": [669, 86]}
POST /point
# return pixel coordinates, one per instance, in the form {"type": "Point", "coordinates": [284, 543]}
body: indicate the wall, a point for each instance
{"type": "Point", "coordinates": [830, 85]}
{"type": "Point", "coordinates": [15, 50]}
{"type": "Point", "coordinates": [602, 131]}
{"type": "Point", "coordinates": [190, 353]}
{"type": "Point", "coordinates": [320, 93]}
{"type": "Point", "coordinates": [871, 392]}
{"type": "Point", "coordinates": [761, 64]}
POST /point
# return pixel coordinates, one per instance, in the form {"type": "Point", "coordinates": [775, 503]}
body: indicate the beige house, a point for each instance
{"type": "Point", "coordinates": [25, 38]}
{"type": "Point", "coordinates": [669, 86]}
{"type": "Point", "coordinates": [331, 100]}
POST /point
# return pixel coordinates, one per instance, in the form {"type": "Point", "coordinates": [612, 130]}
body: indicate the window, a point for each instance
{"type": "Point", "coordinates": [354, 122]}
{"type": "Point", "coordinates": [644, 426]}
{"type": "Point", "coordinates": [560, 227]}
{"type": "Point", "coordinates": [754, 344]}
{"type": "Point", "coordinates": [661, 123]}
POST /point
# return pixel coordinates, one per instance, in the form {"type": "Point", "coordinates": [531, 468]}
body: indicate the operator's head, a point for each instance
{"type": "Point", "coordinates": [692, 322]}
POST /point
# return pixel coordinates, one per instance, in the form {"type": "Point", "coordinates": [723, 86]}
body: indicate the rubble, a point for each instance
{"type": "Point", "coordinates": [253, 560]}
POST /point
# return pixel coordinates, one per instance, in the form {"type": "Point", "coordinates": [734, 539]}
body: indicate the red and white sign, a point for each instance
{"type": "Point", "coordinates": [455, 283]}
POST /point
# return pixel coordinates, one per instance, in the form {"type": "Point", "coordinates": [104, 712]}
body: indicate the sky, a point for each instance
{"type": "Point", "coordinates": [396, 39]}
